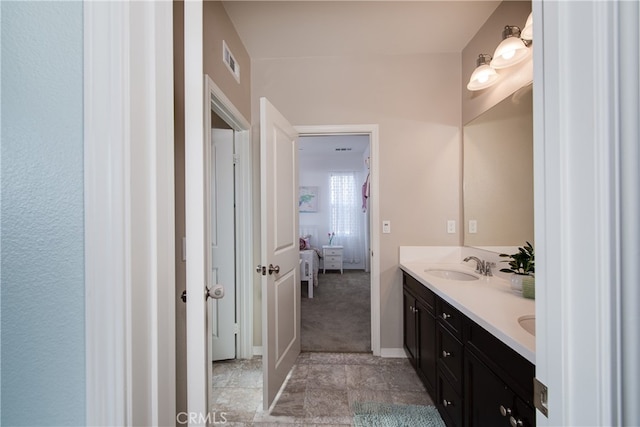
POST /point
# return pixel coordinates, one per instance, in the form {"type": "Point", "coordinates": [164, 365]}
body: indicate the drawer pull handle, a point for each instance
{"type": "Point", "coordinates": [505, 411]}
{"type": "Point", "coordinates": [445, 353]}
{"type": "Point", "coordinates": [515, 423]}
{"type": "Point", "coordinates": [446, 402]}
{"type": "Point", "coordinates": [445, 316]}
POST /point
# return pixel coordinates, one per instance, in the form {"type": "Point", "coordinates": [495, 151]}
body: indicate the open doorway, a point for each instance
{"type": "Point", "coordinates": [335, 242]}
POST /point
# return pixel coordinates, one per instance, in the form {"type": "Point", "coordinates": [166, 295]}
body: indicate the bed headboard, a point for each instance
{"type": "Point", "coordinates": [312, 232]}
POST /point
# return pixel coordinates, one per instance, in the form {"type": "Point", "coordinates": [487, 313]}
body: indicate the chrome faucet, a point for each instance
{"type": "Point", "coordinates": [482, 267]}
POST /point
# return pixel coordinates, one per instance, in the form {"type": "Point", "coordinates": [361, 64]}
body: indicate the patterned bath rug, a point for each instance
{"type": "Point", "coordinates": [372, 414]}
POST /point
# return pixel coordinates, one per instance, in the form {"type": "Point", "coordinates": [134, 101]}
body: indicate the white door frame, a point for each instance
{"type": "Point", "coordinates": [129, 213]}
{"type": "Point", "coordinates": [372, 131]}
{"type": "Point", "coordinates": [586, 133]}
{"type": "Point", "coordinates": [217, 101]}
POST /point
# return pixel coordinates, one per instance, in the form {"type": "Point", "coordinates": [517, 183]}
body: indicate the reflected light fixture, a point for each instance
{"type": "Point", "coordinates": [527, 31]}
{"type": "Point", "coordinates": [511, 50]}
{"type": "Point", "coordinates": [483, 76]}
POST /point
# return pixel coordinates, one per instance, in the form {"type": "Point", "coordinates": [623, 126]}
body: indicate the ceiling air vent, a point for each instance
{"type": "Point", "coordinates": [230, 61]}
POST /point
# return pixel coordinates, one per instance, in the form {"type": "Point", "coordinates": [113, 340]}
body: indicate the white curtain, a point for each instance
{"type": "Point", "coordinates": [346, 217]}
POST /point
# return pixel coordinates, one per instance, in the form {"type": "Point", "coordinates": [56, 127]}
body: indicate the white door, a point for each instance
{"type": "Point", "coordinates": [280, 249]}
{"type": "Point", "coordinates": [222, 243]}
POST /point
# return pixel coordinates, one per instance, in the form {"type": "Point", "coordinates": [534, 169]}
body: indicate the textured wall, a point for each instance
{"type": "Point", "coordinates": [42, 243]}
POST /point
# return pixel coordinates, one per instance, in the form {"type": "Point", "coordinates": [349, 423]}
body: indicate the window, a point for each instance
{"type": "Point", "coordinates": [346, 215]}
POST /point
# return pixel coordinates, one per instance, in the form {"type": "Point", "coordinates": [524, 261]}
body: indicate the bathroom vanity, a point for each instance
{"type": "Point", "coordinates": [464, 339]}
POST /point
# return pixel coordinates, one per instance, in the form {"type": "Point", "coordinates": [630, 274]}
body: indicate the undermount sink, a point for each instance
{"type": "Point", "coordinates": [451, 274]}
{"type": "Point", "coordinates": [528, 323]}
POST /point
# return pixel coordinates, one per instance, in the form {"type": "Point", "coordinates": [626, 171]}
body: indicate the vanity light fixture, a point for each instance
{"type": "Point", "coordinates": [484, 75]}
{"type": "Point", "coordinates": [511, 50]}
{"type": "Point", "coordinates": [527, 31]}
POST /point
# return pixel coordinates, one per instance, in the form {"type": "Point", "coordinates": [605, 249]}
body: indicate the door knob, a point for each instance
{"type": "Point", "coordinates": [261, 269]}
{"type": "Point", "coordinates": [215, 292]}
{"type": "Point", "coordinates": [274, 269]}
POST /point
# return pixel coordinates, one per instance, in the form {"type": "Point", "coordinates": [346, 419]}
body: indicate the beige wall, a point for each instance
{"type": "Point", "coordinates": [415, 100]}
{"type": "Point", "coordinates": [485, 41]}
{"type": "Point", "coordinates": [218, 27]}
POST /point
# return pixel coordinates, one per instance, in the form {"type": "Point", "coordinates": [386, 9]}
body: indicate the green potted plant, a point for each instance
{"type": "Point", "coordinates": [523, 265]}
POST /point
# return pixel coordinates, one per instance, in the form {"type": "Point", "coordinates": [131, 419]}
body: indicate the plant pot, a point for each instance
{"type": "Point", "coordinates": [516, 282]}
{"type": "Point", "coordinates": [529, 287]}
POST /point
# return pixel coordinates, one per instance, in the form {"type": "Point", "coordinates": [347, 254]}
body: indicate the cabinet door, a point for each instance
{"type": "Point", "coordinates": [488, 402]}
{"type": "Point", "coordinates": [427, 346]}
{"type": "Point", "coordinates": [410, 338]}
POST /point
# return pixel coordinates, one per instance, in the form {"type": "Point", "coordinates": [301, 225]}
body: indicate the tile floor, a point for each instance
{"type": "Point", "coordinates": [320, 391]}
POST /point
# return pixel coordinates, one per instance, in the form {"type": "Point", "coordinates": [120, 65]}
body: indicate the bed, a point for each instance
{"type": "Point", "coordinates": [309, 258]}
{"type": "Point", "coordinates": [309, 266]}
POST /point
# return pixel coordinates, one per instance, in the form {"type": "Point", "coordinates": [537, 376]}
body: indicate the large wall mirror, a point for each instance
{"type": "Point", "coordinates": [498, 174]}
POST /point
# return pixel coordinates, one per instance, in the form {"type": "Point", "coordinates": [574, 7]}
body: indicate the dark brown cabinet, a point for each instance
{"type": "Point", "coordinates": [420, 330]}
{"type": "Point", "coordinates": [475, 379]}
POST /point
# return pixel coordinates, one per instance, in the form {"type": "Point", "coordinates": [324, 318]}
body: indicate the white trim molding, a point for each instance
{"type": "Point", "coordinates": [197, 389]}
{"type": "Point", "coordinates": [586, 210]}
{"type": "Point", "coordinates": [129, 213]}
{"type": "Point", "coordinates": [393, 352]}
{"type": "Point", "coordinates": [374, 185]}
{"type": "Point", "coordinates": [217, 101]}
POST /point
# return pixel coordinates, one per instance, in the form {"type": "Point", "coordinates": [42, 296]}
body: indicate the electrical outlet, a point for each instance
{"type": "Point", "coordinates": [451, 226]}
{"type": "Point", "coordinates": [386, 226]}
{"type": "Point", "coordinates": [473, 226]}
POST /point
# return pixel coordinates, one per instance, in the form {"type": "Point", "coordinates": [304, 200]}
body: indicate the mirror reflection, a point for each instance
{"type": "Point", "coordinates": [498, 174]}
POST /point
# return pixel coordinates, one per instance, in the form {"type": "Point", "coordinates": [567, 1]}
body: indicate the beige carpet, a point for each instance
{"type": "Point", "coordinates": [338, 317]}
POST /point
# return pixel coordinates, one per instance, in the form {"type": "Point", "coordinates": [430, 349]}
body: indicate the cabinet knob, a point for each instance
{"type": "Point", "coordinates": [515, 423]}
{"type": "Point", "coordinates": [445, 353]}
{"type": "Point", "coordinates": [505, 411]}
{"type": "Point", "coordinates": [445, 316]}
{"type": "Point", "coordinates": [446, 402]}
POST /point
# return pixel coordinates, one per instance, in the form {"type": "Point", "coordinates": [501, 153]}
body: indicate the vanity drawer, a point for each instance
{"type": "Point", "coordinates": [449, 403]}
{"type": "Point", "coordinates": [451, 318]}
{"type": "Point", "coordinates": [450, 357]}
{"type": "Point", "coordinates": [516, 371]}
{"type": "Point", "coordinates": [421, 292]}
{"type": "Point", "coordinates": [332, 251]}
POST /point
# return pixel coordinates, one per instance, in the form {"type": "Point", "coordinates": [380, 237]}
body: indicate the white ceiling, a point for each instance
{"type": "Point", "coordinates": [280, 29]}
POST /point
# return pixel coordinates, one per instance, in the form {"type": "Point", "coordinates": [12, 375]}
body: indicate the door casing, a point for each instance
{"type": "Point", "coordinates": [374, 203]}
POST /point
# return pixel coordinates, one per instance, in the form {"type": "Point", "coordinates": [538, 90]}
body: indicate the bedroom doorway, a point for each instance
{"type": "Point", "coordinates": [335, 229]}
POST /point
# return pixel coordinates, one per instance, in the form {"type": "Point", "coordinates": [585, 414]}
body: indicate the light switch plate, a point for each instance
{"type": "Point", "coordinates": [451, 226]}
{"type": "Point", "coordinates": [386, 226]}
{"type": "Point", "coordinates": [473, 226]}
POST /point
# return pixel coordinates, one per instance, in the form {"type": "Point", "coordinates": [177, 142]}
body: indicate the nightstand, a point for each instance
{"type": "Point", "coordinates": [332, 258]}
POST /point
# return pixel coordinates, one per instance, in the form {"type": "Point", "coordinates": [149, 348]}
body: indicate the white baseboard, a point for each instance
{"type": "Point", "coordinates": [257, 350]}
{"type": "Point", "coordinates": [393, 352]}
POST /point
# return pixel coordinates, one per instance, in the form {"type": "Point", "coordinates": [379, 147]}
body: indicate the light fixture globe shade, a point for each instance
{"type": "Point", "coordinates": [510, 51]}
{"type": "Point", "coordinates": [482, 77]}
{"type": "Point", "coordinates": [527, 31]}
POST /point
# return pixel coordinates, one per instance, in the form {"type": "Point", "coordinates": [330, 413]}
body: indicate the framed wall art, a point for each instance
{"type": "Point", "coordinates": [308, 199]}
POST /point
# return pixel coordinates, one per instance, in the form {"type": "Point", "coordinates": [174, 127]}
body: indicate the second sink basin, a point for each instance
{"type": "Point", "coordinates": [450, 274]}
{"type": "Point", "coordinates": [528, 323]}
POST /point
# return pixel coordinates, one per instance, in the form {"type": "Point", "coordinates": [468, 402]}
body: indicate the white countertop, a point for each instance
{"type": "Point", "coordinates": [488, 301]}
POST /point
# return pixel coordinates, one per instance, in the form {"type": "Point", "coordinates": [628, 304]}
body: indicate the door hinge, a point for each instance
{"type": "Point", "coordinates": [540, 395]}
{"type": "Point", "coordinates": [236, 328]}
{"type": "Point", "coordinates": [236, 159]}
